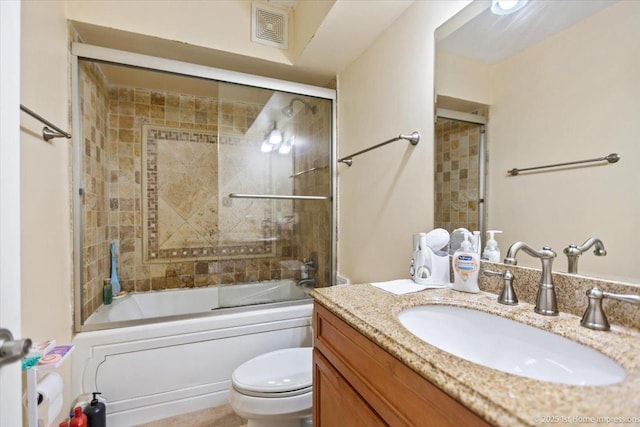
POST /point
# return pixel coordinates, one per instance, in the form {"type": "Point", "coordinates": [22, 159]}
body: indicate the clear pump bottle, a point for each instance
{"type": "Point", "coordinates": [491, 251]}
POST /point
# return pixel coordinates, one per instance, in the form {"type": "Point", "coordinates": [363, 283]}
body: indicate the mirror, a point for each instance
{"type": "Point", "coordinates": [559, 83]}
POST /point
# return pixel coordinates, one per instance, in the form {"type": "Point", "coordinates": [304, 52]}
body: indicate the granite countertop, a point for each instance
{"type": "Point", "coordinates": [500, 398]}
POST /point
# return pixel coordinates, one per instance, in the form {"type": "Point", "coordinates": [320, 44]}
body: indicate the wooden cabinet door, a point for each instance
{"type": "Point", "coordinates": [369, 387]}
{"type": "Point", "coordinates": [335, 402]}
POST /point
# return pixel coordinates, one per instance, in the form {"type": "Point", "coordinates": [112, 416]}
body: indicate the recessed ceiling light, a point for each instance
{"type": "Point", "coordinates": [505, 7]}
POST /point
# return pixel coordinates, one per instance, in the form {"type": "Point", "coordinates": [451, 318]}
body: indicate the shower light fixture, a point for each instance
{"type": "Point", "coordinates": [274, 141]}
{"type": "Point", "coordinates": [288, 110]}
{"type": "Point", "coordinates": [266, 147]}
{"type": "Point", "coordinates": [274, 136]}
{"type": "Point", "coordinates": [505, 7]}
{"type": "Point", "coordinates": [285, 147]}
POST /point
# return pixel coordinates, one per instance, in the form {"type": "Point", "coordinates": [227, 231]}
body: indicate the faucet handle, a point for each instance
{"type": "Point", "coordinates": [594, 317]}
{"type": "Point", "coordinates": [508, 295]}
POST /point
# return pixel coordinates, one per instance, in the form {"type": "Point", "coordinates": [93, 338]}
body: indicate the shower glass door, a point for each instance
{"type": "Point", "coordinates": [274, 194]}
{"type": "Point", "coordinates": [199, 183]}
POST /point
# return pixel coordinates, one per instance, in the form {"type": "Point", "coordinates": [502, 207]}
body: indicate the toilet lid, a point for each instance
{"type": "Point", "coordinates": [281, 371]}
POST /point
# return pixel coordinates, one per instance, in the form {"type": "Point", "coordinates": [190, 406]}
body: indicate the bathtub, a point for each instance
{"type": "Point", "coordinates": [178, 359]}
{"type": "Point", "coordinates": [175, 303]}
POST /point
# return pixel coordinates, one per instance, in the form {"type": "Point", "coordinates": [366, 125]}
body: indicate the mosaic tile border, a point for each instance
{"type": "Point", "coordinates": [151, 252]}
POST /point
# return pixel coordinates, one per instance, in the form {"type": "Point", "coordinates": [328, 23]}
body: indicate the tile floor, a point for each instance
{"type": "Point", "coordinates": [222, 416]}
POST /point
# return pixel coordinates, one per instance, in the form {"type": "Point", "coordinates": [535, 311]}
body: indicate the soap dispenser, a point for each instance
{"type": "Point", "coordinates": [96, 412]}
{"type": "Point", "coordinates": [491, 251]}
{"type": "Point", "coordinates": [466, 265]}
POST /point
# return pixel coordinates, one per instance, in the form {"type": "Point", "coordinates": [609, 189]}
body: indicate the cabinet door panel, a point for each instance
{"type": "Point", "coordinates": [399, 395]}
{"type": "Point", "coordinates": [336, 403]}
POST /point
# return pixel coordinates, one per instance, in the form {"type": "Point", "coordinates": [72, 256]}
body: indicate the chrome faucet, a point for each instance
{"type": "Point", "coordinates": [307, 283]}
{"type": "Point", "coordinates": [308, 271]}
{"type": "Point", "coordinates": [573, 252]}
{"type": "Point", "coordinates": [594, 317]}
{"type": "Point", "coordinates": [546, 301]}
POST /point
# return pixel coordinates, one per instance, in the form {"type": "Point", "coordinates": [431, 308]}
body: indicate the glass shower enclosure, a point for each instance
{"type": "Point", "coordinates": [202, 178]}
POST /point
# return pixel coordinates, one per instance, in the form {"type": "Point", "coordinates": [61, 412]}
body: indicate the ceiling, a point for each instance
{"type": "Point", "coordinates": [337, 41]}
{"type": "Point", "coordinates": [491, 38]}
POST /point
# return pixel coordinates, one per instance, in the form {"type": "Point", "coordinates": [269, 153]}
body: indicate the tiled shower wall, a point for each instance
{"type": "Point", "coordinates": [95, 253]}
{"type": "Point", "coordinates": [457, 174]}
{"type": "Point", "coordinates": [312, 132]}
{"type": "Point", "coordinates": [120, 180]}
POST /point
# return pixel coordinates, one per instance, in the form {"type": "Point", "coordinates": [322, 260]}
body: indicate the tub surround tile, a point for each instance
{"type": "Point", "coordinates": [500, 398]}
{"type": "Point", "coordinates": [456, 177]}
{"type": "Point", "coordinates": [95, 118]}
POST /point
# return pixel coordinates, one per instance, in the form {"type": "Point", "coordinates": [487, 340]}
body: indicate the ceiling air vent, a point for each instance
{"type": "Point", "coordinates": [270, 26]}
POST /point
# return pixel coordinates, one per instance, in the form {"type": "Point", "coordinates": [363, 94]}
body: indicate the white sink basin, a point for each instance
{"type": "Point", "coordinates": [509, 346]}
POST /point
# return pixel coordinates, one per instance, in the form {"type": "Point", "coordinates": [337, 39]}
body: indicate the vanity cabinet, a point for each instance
{"type": "Point", "coordinates": [356, 383]}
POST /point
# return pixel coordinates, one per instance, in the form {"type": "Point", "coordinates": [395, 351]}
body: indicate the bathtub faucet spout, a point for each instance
{"type": "Point", "coordinates": [308, 271]}
{"type": "Point", "coordinates": [307, 283]}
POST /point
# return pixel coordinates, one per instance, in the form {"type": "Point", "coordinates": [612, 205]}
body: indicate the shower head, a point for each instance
{"type": "Point", "coordinates": [288, 110]}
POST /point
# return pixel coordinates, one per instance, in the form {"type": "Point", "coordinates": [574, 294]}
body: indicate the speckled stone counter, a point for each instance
{"type": "Point", "coordinates": [500, 398]}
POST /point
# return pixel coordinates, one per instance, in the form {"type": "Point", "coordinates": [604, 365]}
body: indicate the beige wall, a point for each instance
{"type": "Point", "coordinates": [387, 195]}
{"type": "Point", "coordinates": [45, 179]}
{"type": "Point", "coordinates": [221, 24]}
{"type": "Point", "coordinates": [463, 78]}
{"type": "Point", "coordinates": [308, 17]}
{"type": "Point", "coordinates": [548, 110]}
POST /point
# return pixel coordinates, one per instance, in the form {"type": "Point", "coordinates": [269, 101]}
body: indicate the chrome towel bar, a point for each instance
{"type": "Point", "coordinates": [47, 133]}
{"type": "Point", "coordinates": [414, 138]}
{"type": "Point", "coordinates": [611, 158]}
{"type": "Point", "coordinates": [275, 196]}
{"type": "Point", "coordinates": [304, 172]}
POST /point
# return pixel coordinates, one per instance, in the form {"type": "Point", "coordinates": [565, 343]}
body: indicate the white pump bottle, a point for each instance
{"type": "Point", "coordinates": [491, 251]}
{"type": "Point", "coordinates": [466, 266]}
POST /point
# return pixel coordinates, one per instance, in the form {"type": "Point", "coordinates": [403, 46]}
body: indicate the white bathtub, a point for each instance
{"type": "Point", "coordinates": [181, 302]}
{"type": "Point", "coordinates": [166, 368]}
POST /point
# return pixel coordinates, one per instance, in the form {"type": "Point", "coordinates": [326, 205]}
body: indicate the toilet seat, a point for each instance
{"type": "Point", "coordinates": [284, 408]}
{"type": "Point", "coordinates": [273, 395]}
{"type": "Point", "coordinates": [281, 373]}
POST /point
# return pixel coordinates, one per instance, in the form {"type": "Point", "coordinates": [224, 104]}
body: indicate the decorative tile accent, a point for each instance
{"type": "Point", "coordinates": [181, 197]}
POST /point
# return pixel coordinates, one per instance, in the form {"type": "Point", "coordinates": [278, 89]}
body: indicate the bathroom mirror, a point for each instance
{"type": "Point", "coordinates": [557, 82]}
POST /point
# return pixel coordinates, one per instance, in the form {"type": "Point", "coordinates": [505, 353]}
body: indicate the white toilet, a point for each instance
{"type": "Point", "coordinates": [274, 389]}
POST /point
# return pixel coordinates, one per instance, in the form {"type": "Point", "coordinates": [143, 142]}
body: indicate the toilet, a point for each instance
{"type": "Point", "coordinates": [274, 389]}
